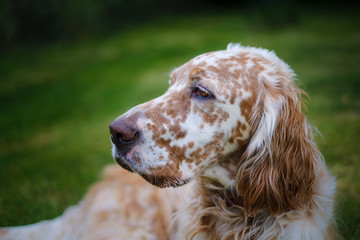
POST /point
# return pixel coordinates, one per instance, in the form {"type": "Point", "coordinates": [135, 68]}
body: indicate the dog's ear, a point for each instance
{"type": "Point", "coordinates": [277, 168]}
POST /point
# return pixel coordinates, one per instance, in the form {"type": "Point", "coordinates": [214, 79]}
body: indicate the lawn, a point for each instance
{"type": "Point", "coordinates": [57, 101]}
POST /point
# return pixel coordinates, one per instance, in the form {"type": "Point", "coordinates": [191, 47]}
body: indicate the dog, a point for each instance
{"type": "Point", "coordinates": [226, 153]}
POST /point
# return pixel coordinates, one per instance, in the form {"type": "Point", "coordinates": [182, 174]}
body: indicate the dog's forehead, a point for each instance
{"type": "Point", "coordinates": [212, 62]}
{"type": "Point", "coordinates": [215, 58]}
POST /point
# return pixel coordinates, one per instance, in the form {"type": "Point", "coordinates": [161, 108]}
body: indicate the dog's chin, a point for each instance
{"type": "Point", "coordinates": [161, 181]}
{"type": "Point", "coordinates": [164, 181]}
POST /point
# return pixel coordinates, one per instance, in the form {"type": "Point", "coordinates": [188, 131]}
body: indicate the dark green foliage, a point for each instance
{"type": "Point", "coordinates": [32, 23]}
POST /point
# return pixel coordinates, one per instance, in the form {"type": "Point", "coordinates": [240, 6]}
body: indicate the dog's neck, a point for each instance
{"type": "Point", "coordinates": [220, 209]}
{"type": "Point", "coordinates": [219, 181]}
{"type": "Point", "coordinates": [222, 175]}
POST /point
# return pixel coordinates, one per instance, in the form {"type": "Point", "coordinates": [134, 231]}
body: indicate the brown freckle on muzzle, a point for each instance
{"type": "Point", "coordinates": [181, 134]}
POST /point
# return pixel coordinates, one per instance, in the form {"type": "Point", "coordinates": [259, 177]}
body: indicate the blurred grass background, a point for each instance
{"type": "Point", "coordinates": [60, 88]}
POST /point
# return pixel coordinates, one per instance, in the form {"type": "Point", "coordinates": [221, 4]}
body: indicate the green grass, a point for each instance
{"type": "Point", "coordinates": [57, 101]}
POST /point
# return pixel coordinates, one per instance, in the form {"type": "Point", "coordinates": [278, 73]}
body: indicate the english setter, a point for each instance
{"type": "Point", "coordinates": [229, 155]}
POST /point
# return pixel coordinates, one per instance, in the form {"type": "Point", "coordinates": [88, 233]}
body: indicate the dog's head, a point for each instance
{"type": "Point", "coordinates": [203, 116]}
{"type": "Point", "coordinates": [237, 100]}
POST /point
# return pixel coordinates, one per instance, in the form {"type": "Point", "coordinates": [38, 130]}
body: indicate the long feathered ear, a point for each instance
{"type": "Point", "coordinates": [277, 169]}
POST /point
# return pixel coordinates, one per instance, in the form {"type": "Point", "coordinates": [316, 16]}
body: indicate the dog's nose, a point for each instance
{"type": "Point", "coordinates": [123, 132]}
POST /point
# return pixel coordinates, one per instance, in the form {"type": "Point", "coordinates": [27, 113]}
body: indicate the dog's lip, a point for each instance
{"type": "Point", "coordinates": [123, 164]}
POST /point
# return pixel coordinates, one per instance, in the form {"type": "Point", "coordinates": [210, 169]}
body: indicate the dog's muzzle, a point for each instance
{"type": "Point", "coordinates": [124, 135]}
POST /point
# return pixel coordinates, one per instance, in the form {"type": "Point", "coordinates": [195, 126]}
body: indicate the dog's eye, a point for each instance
{"type": "Point", "coordinates": [201, 92]}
